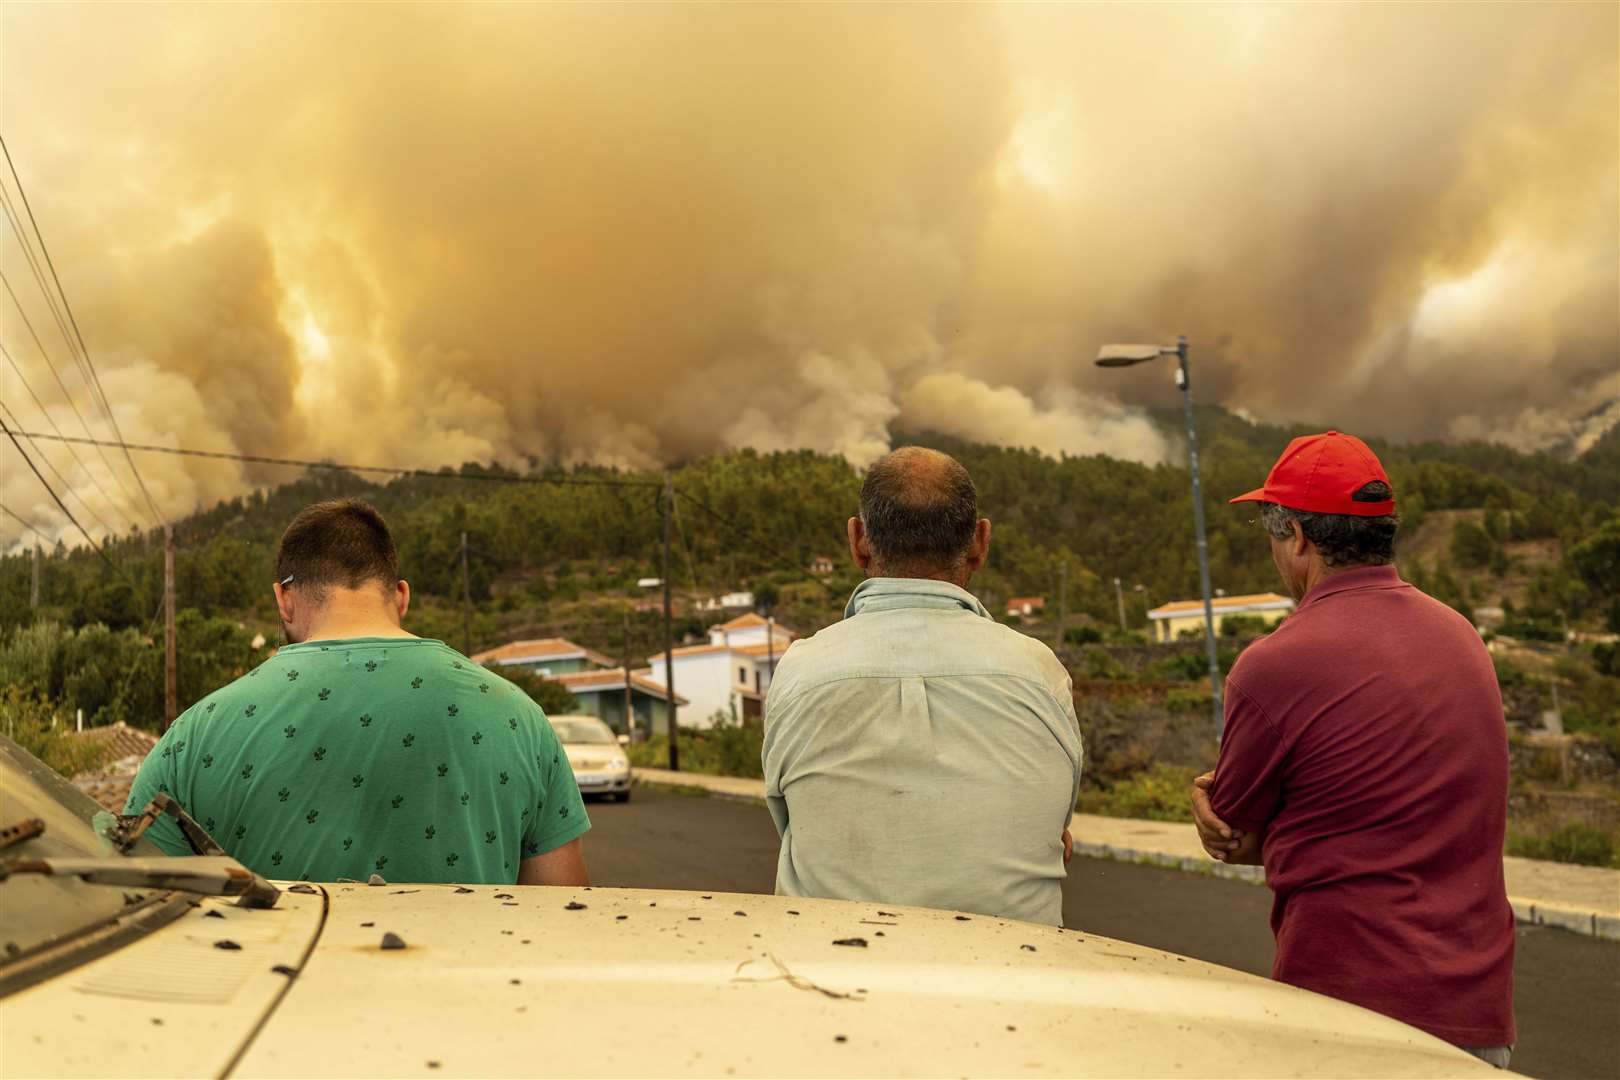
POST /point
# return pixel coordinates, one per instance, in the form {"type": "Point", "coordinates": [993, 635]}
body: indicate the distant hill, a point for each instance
{"type": "Point", "coordinates": [752, 519]}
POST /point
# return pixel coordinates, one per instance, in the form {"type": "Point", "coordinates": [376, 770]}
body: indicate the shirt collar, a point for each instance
{"type": "Point", "coordinates": [890, 594]}
{"type": "Point", "coordinates": [1362, 577]}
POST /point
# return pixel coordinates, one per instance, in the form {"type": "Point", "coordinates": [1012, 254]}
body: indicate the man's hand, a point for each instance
{"type": "Point", "coordinates": [1068, 847]}
{"type": "Point", "coordinates": [1218, 838]}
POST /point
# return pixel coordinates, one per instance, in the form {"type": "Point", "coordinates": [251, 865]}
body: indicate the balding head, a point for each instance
{"type": "Point", "coordinates": [919, 518]}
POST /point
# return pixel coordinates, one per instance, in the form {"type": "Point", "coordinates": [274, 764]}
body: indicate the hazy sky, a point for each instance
{"type": "Point", "coordinates": [419, 235]}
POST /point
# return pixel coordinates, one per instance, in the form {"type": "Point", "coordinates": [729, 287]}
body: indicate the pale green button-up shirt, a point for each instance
{"type": "Point", "coordinates": [919, 752]}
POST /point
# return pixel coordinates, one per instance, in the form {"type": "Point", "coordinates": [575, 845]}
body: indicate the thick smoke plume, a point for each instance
{"type": "Point", "coordinates": [423, 234]}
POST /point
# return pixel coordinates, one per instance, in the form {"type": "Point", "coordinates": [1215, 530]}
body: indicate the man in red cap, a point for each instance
{"type": "Point", "coordinates": [1364, 764]}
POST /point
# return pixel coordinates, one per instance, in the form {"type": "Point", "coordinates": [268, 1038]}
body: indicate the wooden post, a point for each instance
{"type": "Point", "coordinates": [629, 698]}
{"type": "Point", "coordinates": [668, 506]}
{"type": "Point", "coordinates": [171, 690]}
{"type": "Point", "coordinates": [466, 600]}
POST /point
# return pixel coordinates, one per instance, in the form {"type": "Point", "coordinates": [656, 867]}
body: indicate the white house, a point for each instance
{"type": "Point", "coordinates": [726, 602]}
{"type": "Point", "coordinates": [1172, 620]}
{"type": "Point", "coordinates": [732, 672]}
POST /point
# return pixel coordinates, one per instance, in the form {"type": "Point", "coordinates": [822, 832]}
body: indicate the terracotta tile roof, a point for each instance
{"type": "Point", "coordinates": [538, 649]}
{"type": "Point", "coordinates": [741, 622]}
{"type": "Point", "coordinates": [751, 621]}
{"type": "Point", "coordinates": [764, 649]}
{"type": "Point", "coordinates": [613, 679]}
{"type": "Point", "coordinates": [1258, 601]}
{"type": "Point", "coordinates": [118, 740]}
{"type": "Point", "coordinates": [742, 650]}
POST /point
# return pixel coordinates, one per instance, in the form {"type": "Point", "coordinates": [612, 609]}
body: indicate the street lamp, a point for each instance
{"type": "Point", "coordinates": [1114, 356]}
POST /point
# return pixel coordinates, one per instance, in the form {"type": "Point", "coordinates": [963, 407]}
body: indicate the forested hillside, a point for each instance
{"type": "Point", "coordinates": [564, 557]}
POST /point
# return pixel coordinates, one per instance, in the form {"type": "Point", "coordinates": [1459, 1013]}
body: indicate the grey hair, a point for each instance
{"type": "Point", "coordinates": [918, 524]}
{"type": "Point", "coordinates": [1343, 539]}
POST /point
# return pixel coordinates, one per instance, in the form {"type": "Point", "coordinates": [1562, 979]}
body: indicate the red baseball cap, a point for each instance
{"type": "Point", "coordinates": [1321, 474]}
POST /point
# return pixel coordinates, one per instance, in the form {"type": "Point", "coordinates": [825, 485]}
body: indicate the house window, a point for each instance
{"type": "Point", "coordinates": [756, 682]}
{"type": "Point", "coordinates": [742, 675]}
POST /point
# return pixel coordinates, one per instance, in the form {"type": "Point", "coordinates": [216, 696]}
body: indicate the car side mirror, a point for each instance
{"type": "Point", "coordinates": [624, 740]}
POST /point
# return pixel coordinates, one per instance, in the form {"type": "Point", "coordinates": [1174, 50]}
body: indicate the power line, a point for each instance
{"type": "Point", "coordinates": [260, 459]}
{"type": "Point", "coordinates": [39, 279]}
{"type": "Point", "coordinates": [60, 504]}
{"type": "Point", "coordinates": [24, 522]}
{"type": "Point", "coordinates": [49, 419]}
{"type": "Point", "coordinates": [95, 379]}
{"type": "Point", "coordinates": [67, 485]}
{"type": "Point", "coordinates": [763, 542]}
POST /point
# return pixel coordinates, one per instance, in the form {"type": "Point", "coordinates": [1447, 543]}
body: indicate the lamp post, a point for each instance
{"type": "Point", "coordinates": [1125, 356]}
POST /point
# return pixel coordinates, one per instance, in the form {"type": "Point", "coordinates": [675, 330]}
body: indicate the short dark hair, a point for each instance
{"type": "Point", "coordinates": [340, 542]}
{"type": "Point", "coordinates": [1343, 539]}
{"type": "Point", "coordinates": [920, 510]}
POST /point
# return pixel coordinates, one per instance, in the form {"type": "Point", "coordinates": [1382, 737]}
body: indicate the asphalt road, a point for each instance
{"type": "Point", "coordinates": [1567, 986]}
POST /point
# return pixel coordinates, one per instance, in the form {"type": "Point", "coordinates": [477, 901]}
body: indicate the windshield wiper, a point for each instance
{"type": "Point", "coordinates": [205, 875]}
{"type": "Point", "coordinates": [211, 872]}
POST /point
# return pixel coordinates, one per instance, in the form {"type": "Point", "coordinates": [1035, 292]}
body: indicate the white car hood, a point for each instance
{"type": "Point", "coordinates": [532, 981]}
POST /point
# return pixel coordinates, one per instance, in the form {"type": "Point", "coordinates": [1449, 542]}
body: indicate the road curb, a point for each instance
{"type": "Point", "coordinates": [1532, 911]}
{"type": "Point", "coordinates": [1254, 875]}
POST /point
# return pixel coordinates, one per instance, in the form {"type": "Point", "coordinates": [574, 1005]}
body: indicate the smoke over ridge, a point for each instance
{"type": "Point", "coordinates": [426, 234]}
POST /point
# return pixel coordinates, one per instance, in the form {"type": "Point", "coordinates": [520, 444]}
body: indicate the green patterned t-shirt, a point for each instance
{"type": "Point", "coordinates": [393, 756]}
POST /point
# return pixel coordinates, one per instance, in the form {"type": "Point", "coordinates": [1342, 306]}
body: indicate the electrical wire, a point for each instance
{"type": "Point", "coordinates": [260, 459]}
{"type": "Point", "coordinates": [24, 522]}
{"type": "Point", "coordinates": [57, 428]}
{"type": "Point", "coordinates": [60, 504]}
{"type": "Point", "coordinates": [39, 279]}
{"type": "Point", "coordinates": [95, 379]}
{"type": "Point", "coordinates": [67, 485]}
{"type": "Point", "coordinates": [762, 543]}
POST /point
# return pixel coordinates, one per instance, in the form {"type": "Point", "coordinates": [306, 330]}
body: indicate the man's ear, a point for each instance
{"type": "Point", "coordinates": [859, 549]}
{"type": "Point", "coordinates": [979, 551]}
{"type": "Point", "coordinates": [285, 605]}
{"type": "Point", "coordinates": [402, 597]}
{"type": "Point", "coordinates": [1301, 546]}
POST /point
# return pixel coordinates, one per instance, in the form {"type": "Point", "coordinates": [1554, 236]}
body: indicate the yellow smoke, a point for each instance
{"type": "Point", "coordinates": [423, 234]}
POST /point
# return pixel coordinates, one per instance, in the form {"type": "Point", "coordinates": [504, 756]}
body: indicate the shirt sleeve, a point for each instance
{"type": "Point", "coordinates": [560, 816]}
{"type": "Point", "coordinates": [157, 773]}
{"type": "Point", "coordinates": [1247, 790]}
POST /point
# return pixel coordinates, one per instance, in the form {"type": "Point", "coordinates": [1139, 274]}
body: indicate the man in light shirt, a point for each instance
{"type": "Point", "coordinates": [919, 752]}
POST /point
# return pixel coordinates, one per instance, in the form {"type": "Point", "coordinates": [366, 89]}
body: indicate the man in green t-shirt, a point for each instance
{"type": "Point", "coordinates": [362, 749]}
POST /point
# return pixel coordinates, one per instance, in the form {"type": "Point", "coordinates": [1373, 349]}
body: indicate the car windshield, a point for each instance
{"type": "Point", "coordinates": [581, 729]}
{"type": "Point", "coordinates": [42, 908]}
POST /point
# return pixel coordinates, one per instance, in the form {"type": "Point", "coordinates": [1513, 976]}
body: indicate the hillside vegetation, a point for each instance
{"type": "Point", "coordinates": [564, 559]}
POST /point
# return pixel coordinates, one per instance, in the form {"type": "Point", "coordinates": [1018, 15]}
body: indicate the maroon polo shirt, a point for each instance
{"type": "Point", "coordinates": [1365, 736]}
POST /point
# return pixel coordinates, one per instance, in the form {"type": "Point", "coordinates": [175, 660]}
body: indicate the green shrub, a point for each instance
{"type": "Point", "coordinates": [1097, 662]}
{"type": "Point", "coordinates": [1082, 635]}
{"type": "Point", "coordinates": [1186, 701]}
{"type": "Point", "coordinates": [1574, 842]}
{"type": "Point", "coordinates": [732, 747]}
{"type": "Point", "coordinates": [1158, 794]}
{"type": "Point", "coordinates": [1246, 626]}
{"type": "Point", "coordinates": [44, 730]}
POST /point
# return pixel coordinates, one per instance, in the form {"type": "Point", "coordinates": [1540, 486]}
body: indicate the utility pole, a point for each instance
{"type": "Point", "coordinates": [33, 592]}
{"type": "Point", "coordinates": [171, 690]}
{"type": "Point", "coordinates": [466, 600]}
{"type": "Point", "coordinates": [629, 700]}
{"type": "Point", "coordinates": [1119, 596]}
{"type": "Point", "coordinates": [770, 663]}
{"type": "Point", "coordinates": [1063, 595]}
{"type": "Point", "coordinates": [667, 504]}
{"type": "Point", "coordinates": [1184, 380]}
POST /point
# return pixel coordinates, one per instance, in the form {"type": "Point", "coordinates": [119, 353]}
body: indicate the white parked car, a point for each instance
{"type": "Point", "coordinates": [114, 965]}
{"type": "Point", "coordinates": [601, 766]}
